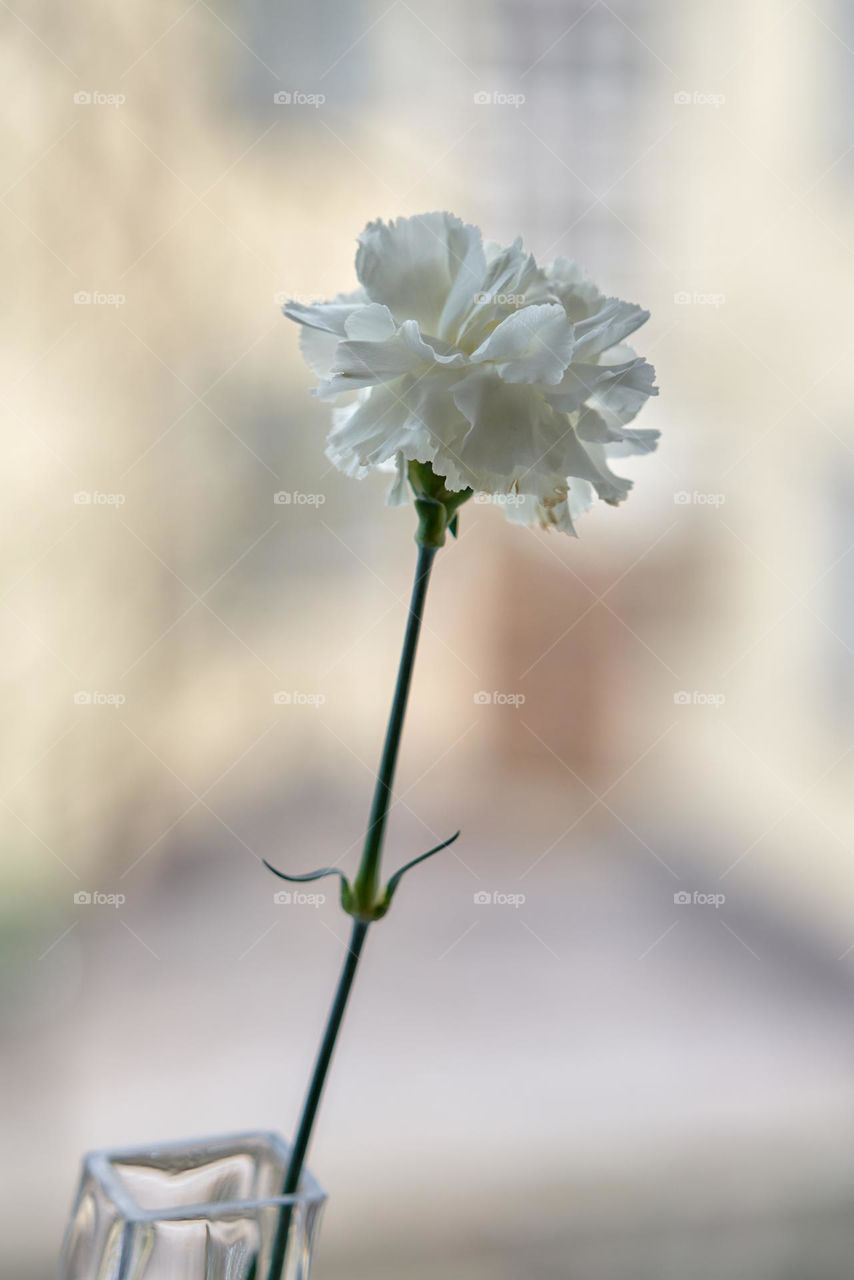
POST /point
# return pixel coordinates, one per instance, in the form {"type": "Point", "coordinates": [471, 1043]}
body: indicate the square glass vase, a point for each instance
{"type": "Point", "coordinates": [199, 1210]}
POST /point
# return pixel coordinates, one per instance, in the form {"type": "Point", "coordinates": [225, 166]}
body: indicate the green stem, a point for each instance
{"type": "Point", "coordinates": [366, 893]}
{"type": "Point", "coordinates": [367, 883]}
{"type": "Point", "coordinates": [324, 1057]}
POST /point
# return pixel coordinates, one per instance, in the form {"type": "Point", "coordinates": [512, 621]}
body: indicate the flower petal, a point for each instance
{"type": "Point", "coordinates": [363, 364]}
{"type": "Point", "coordinates": [621, 398]}
{"type": "Point", "coordinates": [318, 348]}
{"type": "Point", "coordinates": [532, 512]}
{"type": "Point", "coordinates": [398, 493]}
{"type": "Point", "coordinates": [533, 344]}
{"type": "Point", "coordinates": [329, 316]}
{"type": "Point", "coordinates": [621, 442]}
{"type": "Point", "coordinates": [580, 382]}
{"type": "Point", "coordinates": [420, 266]}
{"type": "Point", "coordinates": [560, 514]}
{"type": "Point", "coordinates": [515, 442]}
{"type": "Point", "coordinates": [512, 280]}
{"type": "Point", "coordinates": [415, 417]}
{"type": "Point", "coordinates": [644, 440]}
{"type": "Point", "coordinates": [572, 286]}
{"type": "Point", "coordinates": [372, 323]}
{"type": "Point", "coordinates": [616, 391]}
{"type": "Point", "coordinates": [368, 433]}
{"type": "Point", "coordinates": [610, 487]}
{"type": "Point", "coordinates": [613, 322]}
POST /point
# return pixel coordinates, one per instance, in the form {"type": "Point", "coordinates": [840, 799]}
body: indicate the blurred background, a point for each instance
{"type": "Point", "coordinates": [609, 1035]}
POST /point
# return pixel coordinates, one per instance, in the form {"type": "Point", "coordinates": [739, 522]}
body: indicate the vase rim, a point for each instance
{"type": "Point", "coordinates": [101, 1163]}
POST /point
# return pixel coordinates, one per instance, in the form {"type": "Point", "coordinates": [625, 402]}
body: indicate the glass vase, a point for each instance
{"type": "Point", "coordinates": [202, 1210]}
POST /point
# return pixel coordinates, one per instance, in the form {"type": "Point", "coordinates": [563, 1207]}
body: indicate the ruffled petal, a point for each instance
{"type": "Point", "coordinates": [533, 344]}
{"type": "Point", "coordinates": [560, 513]}
{"type": "Point", "coordinates": [516, 442]}
{"type": "Point", "coordinates": [329, 316]}
{"type": "Point", "coordinates": [420, 266]}
{"type": "Point", "coordinates": [610, 487]}
{"type": "Point", "coordinates": [318, 347]}
{"type": "Point", "coordinates": [580, 382]}
{"type": "Point", "coordinates": [580, 499]}
{"type": "Point", "coordinates": [620, 441]}
{"type": "Point", "coordinates": [415, 417]}
{"type": "Point", "coordinates": [613, 322]}
{"type": "Point", "coordinates": [619, 399]}
{"type": "Point", "coordinates": [634, 442]}
{"type": "Point", "coordinates": [601, 385]}
{"type": "Point", "coordinates": [571, 285]}
{"type": "Point", "coordinates": [363, 363]}
{"type": "Point", "coordinates": [373, 323]}
{"type": "Point", "coordinates": [512, 281]}
{"type": "Point", "coordinates": [369, 433]}
{"type": "Point", "coordinates": [532, 512]}
{"type": "Point", "coordinates": [398, 493]}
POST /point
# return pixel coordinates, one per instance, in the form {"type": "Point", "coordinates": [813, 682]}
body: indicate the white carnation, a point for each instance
{"type": "Point", "coordinates": [507, 377]}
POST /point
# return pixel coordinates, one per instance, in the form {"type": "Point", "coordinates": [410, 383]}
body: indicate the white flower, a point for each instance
{"type": "Point", "coordinates": [508, 378]}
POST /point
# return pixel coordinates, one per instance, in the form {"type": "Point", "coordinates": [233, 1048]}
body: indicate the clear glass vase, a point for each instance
{"type": "Point", "coordinates": [205, 1210]}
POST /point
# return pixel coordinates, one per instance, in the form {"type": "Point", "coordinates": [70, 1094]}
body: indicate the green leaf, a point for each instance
{"type": "Point", "coordinates": [346, 890]}
{"type": "Point", "coordinates": [394, 881]}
